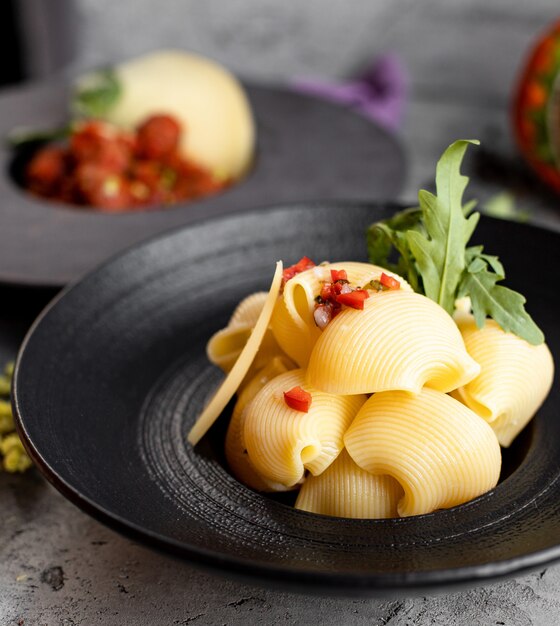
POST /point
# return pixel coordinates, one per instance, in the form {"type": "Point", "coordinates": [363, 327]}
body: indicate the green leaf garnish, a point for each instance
{"type": "Point", "coordinates": [94, 96]}
{"type": "Point", "coordinates": [440, 252]}
{"type": "Point", "coordinates": [503, 305]}
{"type": "Point", "coordinates": [430, 243]}
{"type": "Point", "coordinates": [388, 237]}
{"type": "Point", "coordinates": [96, 93]}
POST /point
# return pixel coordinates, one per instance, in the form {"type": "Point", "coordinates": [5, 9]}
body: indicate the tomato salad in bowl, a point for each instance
{"type": "Point", "coordinates": [161, 129]}
{"type": "Point", "coordinates": [113, 169]}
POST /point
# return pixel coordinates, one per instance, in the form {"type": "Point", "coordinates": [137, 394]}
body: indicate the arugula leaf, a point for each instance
{"type": "Point", "coordinates": [503, 305]}
{"type": "Point", "coordinates": [473, 252]}
{"type": "Point", "coordinates": [430, 246]}
{"type": "Point", "coordinates": [389, 237]}
{"type": "Point", "coordinates": [94, 96]}
{"type": "Point", "coordinates": [96, 93]}
{"type": "Point", "coordinates": [440, 253]}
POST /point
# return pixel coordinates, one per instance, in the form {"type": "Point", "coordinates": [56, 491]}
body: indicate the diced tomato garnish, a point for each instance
{"type": "Point", "coordinates": [298, 399]}
{"type": "Point", "coordinates": [338, 275]}
{"type": "Point", "coordinates": [95, 142]}
{"type": "Point", "coordinates": [158, 136]}
{"type": "Point", "coordinates": [354, 299]}
{"type": "Point", "coordinates": [102, 188]}
{"type": "Point", "coordinates": [46, 169]}
{"type": "Point", "coordinates": [389, 281]}
{"type": "Point", "coordinates": [305, 263]}
{"type": "Point", "coordinates": [114, 169]}
{"type": "Point", "coordinates": [327, 292]}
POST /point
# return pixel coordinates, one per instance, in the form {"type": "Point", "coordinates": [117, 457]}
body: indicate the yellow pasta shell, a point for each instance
{"type": "Point", "coordinates": [292, 322]}
{"type": "Point", "coordinates": [225, 346]}
{"type": "Point", "coordinates": [248, 310]}
{"type": "Point", "coordinates": [515, 378]}
{"type": "Point", "coordinates": [440, 452]}
{"type": "Point", "coordinates": [346, 490]}
{"type": "Point", "coordinates": [400, 341]}
{"type": "Point", "coordinates": [282, 442]}
{"type": "Point", "coordinates": [236, 452]}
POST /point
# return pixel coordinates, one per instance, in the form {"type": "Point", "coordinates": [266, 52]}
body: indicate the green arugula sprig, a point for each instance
{"type": "Point", "coordinates": [93, 97]}
{"type": "Point", "coordinates": [430, 242]}
{"type": "Point", "coordinates": [96, 93]}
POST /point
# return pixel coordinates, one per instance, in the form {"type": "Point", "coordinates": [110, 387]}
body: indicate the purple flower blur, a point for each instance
{"type": "Point", "coordinates": [380, 93]}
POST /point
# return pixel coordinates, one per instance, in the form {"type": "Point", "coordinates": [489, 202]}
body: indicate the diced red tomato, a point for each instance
{"type": "Point", "coordinates": [338, 275]}
{"type": "Point", "coordinates": [327, 292]}
{"type": "Point", "coordinates": [305, 263]}
{"type": "Point", "coordinates": [102, 188]}
{"type": "Point", "coordinates": [298, 399]}
{"type": "Point", "coordinates": [46, 169]}
{"type": "Point", "coordinates": [389, 281]}
{"type": "Point", "coordinates": [95, 142]}
{"type": "Point", "coordinates": [158, 136]}
{"type": "Point", "coordinates": [354, 299]}
{"type": "Point", "coordinates": [113, 169]}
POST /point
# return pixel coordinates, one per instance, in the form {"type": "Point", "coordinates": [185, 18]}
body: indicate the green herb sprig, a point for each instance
{"type": "Point", "coordinates": [96, 94]}
{"type": "Point", "coordinates": [430, 243]}
{"type": "Point", "coordinates": [93, 97]}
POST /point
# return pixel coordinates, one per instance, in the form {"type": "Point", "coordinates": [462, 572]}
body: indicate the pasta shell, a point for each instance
{"type": "Point", "coordinates": [282, 442]}
{"type": "Point", "coordinates": [514, 379]}
{"type": "Point", "coordinates": [236, 452]}
{"type": "Point", "coordinates": [225, 346]}
{"type": "Point", "coordinates": [346, 490]}
{"type": "Point", "coordinates": [292, 322]}
{"type": "Point", "coordinates": [400, 341]}
{"type": "Point", "coordinates": [440, 452]}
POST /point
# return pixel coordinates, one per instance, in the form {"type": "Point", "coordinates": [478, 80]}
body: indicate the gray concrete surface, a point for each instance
{"type": "Point", "coordinates": [58, 566]}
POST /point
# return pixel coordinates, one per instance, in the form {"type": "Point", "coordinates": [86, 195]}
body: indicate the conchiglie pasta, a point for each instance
{"type": "Point", "coordinates": [236, 452]}
{"type": "Point", "coordinates": [225, 346]}
{"type": "Point", "coordinates": [346, 490]}
{"type": "Point", "coordinates": [514, 379]}
{"type": "Point", "coordinates": [440, 452]}
{"type": "Point", "coordinates": [292, 322]}
{"type": "Point", "coordinates": [400, 341]}
{"type": "Point", "coordinates": [248, 310]}
{"type": "Point", "coordinates": [282, 442]}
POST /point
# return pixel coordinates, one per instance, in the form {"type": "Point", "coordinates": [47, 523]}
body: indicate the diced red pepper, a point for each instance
{"type": "Point", "coordinates": [305, 263]}
{"type": "Point", "coordinates": [298, 399]}
{"type": "Point", "coordinates": [338, 275]}
{"type": "Point", "coordinates": [389, 281]}
{"type": "Point", "coordinates": [354, 299]}
{"type": "Point", "coordinates": [326, 292]}
{"type": "Point", "coordinates": [337, 287]}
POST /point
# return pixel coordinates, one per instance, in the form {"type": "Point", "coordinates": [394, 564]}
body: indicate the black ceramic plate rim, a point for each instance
{"type": "Point", "coordinates": [412, 582]}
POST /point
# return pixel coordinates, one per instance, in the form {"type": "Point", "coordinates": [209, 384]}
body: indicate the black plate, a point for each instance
{"type": "Point", "coordinates": [307, 149]}
{"type": "Point", "coordinates": [114, 373]}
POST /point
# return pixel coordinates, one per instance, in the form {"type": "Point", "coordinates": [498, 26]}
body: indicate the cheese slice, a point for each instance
{"type": "Point", "coordinates": [238, 372]}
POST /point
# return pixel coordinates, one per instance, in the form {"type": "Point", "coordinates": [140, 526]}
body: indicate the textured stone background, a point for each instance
{"type": "Point", "coordinates": [58, 566]}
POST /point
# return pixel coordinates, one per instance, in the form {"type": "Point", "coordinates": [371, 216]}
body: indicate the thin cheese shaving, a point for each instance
{"type": "Point", "coordinates": [238, 372]}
